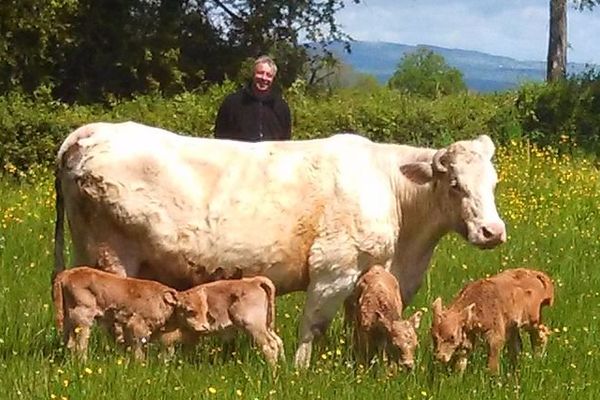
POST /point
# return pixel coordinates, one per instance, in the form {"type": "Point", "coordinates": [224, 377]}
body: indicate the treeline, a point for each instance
{"type": "Point", "coordinates": [564, 115]}
{"type": "Point", "coordinates": [88, 51]}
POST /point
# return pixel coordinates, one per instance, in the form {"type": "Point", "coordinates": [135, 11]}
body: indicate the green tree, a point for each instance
{"type": "Point", "coordinates": [30, 33]}
{"type": "Point", "coordinates": [89, 50]}
{"type": "Point", "coordinates": [288, 30]}
{"type": "Point", "coordinates": [426, 73]}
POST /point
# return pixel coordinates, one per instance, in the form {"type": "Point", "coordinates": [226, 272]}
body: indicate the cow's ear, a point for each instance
{"type": "Point", "coordinates": [436, 307]}
{"type": "Point", "coordinates": [468, 313]}
{"type": "Point", "coordinates": [415, 320]}
{"type": "Point", "coordinates": [417, 172]}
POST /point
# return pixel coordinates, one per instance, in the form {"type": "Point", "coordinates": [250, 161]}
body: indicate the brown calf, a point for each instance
{"type": "Point", "coordinates": [376, 308]}
{"type": "Point", "coordinates": [494, 308]}
{"type": "Point", "coordinates": [247, 304]}
{"type": "Point", "coordinates": [131, 309]}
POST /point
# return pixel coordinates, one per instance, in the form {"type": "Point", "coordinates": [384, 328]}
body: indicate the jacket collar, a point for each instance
{"type": "Point", "coordinates": [268, 97]}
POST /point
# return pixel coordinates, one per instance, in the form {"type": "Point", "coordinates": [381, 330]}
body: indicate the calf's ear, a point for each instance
{"type": "Point", "coordinates": [415, 320]}
{"type": "Point", "coordinates": [170, 298]}
{"type": "Point", "coordinates": [469, 313]}
{"type": "Point", "coordinates": [436, 307]}
{"type": "Point", "coordinates": [417, 172]}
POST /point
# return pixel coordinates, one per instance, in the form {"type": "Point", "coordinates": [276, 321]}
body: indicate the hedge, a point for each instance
{"type": "Point", "coordinates": [31, 129]}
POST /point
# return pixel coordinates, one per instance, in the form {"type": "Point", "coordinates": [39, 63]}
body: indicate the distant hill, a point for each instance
{"type": "Point", "coordinates": [482, 72]}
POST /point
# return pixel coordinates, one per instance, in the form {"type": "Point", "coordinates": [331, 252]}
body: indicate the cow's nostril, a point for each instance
{"type": "Point", "coordinates": [488, 234]}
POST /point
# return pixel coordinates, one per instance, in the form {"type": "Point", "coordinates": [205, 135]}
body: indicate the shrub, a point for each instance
{"type": "Point", "coordinates": [425, 73]}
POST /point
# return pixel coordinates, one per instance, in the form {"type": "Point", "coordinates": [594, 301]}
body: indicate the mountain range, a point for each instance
{"type": "Point", "coordinates": [482, 72]}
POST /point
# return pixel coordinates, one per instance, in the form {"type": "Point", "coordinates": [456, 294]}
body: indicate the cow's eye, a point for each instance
{"type": "Point", "coordinates": [455, 186]}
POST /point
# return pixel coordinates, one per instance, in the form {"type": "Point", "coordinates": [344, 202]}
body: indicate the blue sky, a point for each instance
{"type": "Point", "coordinates": [513, 28]}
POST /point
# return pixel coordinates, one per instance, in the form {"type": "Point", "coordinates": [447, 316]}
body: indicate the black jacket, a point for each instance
{"type": "Point", "coordinates": [245, 116]}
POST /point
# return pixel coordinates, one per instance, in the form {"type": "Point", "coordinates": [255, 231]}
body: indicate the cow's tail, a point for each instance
{"type": "Point", "coordinates": [58, 299]}
{"type": "Point", "coordinates": [269, 288]}
{"type": "Point", "coordinates": [59, 228]}
{"type": "Point", "coordinates": [548, 288]}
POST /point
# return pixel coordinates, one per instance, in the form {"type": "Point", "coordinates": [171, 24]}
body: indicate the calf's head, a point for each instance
{"type": "Point", "coordinates": [404, 339]}
{"type": "Point", "coordinates": [448, 329]}
{"type": "Point", "coordinates": [192, 310]}
{"type": "Point", "coordinates": [464, 181]}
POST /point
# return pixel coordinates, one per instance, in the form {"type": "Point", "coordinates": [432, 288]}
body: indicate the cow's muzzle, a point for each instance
{"type": "Point", "coordinates": [489, 235]}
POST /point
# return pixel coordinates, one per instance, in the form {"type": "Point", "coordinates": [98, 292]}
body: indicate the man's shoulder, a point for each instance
{"type": "Point", "coordinates": [234, 97]}
{"type": "Point", "coordinates": [280, 102]}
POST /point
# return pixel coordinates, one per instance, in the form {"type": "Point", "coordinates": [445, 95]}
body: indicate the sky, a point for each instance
{"type": "Point", "coordinates": [513, 28]}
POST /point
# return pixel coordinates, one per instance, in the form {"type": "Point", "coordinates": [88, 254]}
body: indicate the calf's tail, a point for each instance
{"type": "Point", "coordinates": [269, 288]}
{"type": "Point", "coordinates": [58, 299]}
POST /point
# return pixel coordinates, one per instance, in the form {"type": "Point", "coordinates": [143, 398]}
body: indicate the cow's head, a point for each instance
{"type": "Point", "coordinates": [404, 339]}
{"type": "Point", "coordinates": [192, 310]}
{"type": "Point", "coordinates": [448, 330]}
{"type": "Point", "coordinates": [464, 180]}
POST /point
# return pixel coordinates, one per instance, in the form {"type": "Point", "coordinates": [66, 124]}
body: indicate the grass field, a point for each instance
{"type": "Point", "coordinates": [552, 210]}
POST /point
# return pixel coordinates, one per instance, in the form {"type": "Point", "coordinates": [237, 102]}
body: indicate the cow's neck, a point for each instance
{"type": "Point", "coordinates": [422, 224]}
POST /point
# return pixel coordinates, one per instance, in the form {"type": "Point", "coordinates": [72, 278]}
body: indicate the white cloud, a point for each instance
{"type": "Point", "coordinates": [510, 28]}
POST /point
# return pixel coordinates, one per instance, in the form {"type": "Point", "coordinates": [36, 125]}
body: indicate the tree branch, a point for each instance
{"type": "Point", "coordinates": [228, 11]}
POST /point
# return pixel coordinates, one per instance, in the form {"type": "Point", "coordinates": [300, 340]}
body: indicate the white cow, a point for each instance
{"type": "Point", "coordinates": [310, 215]}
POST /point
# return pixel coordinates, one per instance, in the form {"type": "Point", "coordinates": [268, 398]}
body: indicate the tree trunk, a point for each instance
{"type": "Point", "coordinates": [557, 46]}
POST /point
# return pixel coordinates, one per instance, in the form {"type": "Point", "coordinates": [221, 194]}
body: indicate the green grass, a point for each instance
{"type": "Point", "coordinates": [550, 204]}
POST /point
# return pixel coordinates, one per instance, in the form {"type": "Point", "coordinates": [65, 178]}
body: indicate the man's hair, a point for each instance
{"type": "Point", "coordinates": [266, 60]}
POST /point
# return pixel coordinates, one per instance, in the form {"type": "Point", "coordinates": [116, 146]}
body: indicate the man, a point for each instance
{"type": "Point", "coordinates": [256, 112]}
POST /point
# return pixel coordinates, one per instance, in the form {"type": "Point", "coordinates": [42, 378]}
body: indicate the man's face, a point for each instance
{"type": "Point", "coordinates": [263, 77]}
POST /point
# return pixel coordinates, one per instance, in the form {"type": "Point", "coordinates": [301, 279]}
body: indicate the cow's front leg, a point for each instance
{"type": "Point", "coordinates": [324, 297]}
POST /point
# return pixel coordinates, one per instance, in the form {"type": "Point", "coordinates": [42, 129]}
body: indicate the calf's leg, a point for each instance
{"type": "Point", "coordinates": [137, 333]}
{"type": "Point", "coordinates": [514, 344]}
{"type": "Point", "coordinates": [268, 345]}
{"type": "Point", "coordinates": [538, 334]}
{"type": "Point", "coordinates": [80, 321]}
{"type": "Point", "coordinates": [495, 344]}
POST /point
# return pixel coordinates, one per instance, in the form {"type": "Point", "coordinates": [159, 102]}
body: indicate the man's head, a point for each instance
{"type": "Point", "coordinates": [263, 75]}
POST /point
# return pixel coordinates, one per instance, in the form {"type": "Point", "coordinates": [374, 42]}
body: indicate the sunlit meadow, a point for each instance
{"type": "Point", "coordinates": [550, 203]}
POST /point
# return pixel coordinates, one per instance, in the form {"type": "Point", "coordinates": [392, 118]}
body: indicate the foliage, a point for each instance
{"type": "Point", "coordinates": [564, 114]}
{"type": "Point", "coordinates": [585, 4]}
{"type": "Point", "coordinates": [426, 73]}
{"type": "Point", "coordinates": [89, 51]}
{"type": "Point", "coordinates": [32, 129]}
{"type": "Point", "coordinates": [564, 111]}
{"type": "Point", "coordinates": [547, 201]}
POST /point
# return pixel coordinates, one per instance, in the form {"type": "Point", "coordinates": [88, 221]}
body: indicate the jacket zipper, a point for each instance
{"type": "Point", "coordinates": [260, 122]}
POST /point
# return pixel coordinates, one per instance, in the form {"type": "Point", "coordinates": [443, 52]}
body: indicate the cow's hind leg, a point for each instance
{"type": "Point", "coordinates": [323, 299]}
